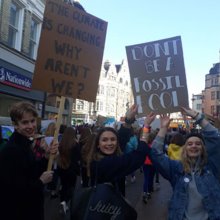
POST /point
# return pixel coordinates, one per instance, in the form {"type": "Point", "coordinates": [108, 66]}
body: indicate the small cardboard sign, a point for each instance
{"type": "Point", "coordinates": [70, 52]}
{"type": "Point", "coordinates": [158, 76]}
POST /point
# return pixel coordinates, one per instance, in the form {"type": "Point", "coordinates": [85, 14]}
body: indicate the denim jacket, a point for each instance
{"type": "Point", "coordinates": [207, 182]}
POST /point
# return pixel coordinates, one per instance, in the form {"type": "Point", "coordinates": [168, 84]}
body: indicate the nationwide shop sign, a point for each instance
{"type": "Point", "coordinates": [70, 52]}
{"type": "Point", "coordinates": [158, 76]}
{"type": "Point", "coordinates": [14, 79]}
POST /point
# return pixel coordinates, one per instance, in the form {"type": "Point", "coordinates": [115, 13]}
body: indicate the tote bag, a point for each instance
{"type": "Point", "coordinates": [102, 202]}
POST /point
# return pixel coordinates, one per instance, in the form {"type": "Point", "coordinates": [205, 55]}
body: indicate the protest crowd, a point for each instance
{"type": "Point", "coordinates": [35, 162]}
{"type": "Point", "coordinates": [108, 157]}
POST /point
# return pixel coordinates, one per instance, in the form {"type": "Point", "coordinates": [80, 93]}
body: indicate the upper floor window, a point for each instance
{"type": "Point", "coordinates": [218, 95]}
{"type": "Point", "coordinates": [101, 89]}
{"type": "Point", "coordinates": [33, 38]}
{"type": "Point", "coordinates": [15, 26]}
{"type": "Point", "coordinates": [80, 105]}
{"type": "Point", "coordinates": [214, 81]}
{"type": "Point", "coordinates": [212, 109]}
{"type": "Point", "coordinates": [199, 107]}
{"type": "Point", "coordinates": [212, 95]}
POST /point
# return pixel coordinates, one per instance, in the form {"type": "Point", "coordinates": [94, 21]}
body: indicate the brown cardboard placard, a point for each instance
{"type": "Point", "coordinates": [158, 76]}
{"type": "Point", "coordinates": [70, 52]}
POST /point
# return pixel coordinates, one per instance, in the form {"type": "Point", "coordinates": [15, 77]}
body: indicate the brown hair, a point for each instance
{"type": "Point", "coordinates": [177, 139]}
{"type": "Point", "coordinates": [18, 109]}
{"type": "Point", "coordinates": [94, 153]}
{"type": "Point", "coordinates": [67, 142]}
{"type": "Point", "coordinates": [85, 141]}
{"type": "Point", "coordinates": [51, 128]}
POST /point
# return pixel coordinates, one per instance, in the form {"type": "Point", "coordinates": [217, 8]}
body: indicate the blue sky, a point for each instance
{"type": "Point", "coordinates": [141, 21]}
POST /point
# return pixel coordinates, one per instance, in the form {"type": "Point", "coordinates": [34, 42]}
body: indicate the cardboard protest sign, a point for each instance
{"type": "Point", "coordinates": [70, 52]}
{"type": "Point", "coordinates": [158, 76]}
{"type": "Point", "coordinates": [100, 120]}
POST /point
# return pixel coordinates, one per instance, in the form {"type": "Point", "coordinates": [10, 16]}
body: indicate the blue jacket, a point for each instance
{"type": "Point", "coordinates": [132, 144]}
{"type": "Point", "coordinates": [207, 183]}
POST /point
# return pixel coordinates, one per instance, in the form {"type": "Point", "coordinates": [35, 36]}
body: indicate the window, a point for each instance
{"type": "Point", "coordinates": [198, 107]}
{"type": "Point", "coordinates": [101, 89]}
{"type": "Point", "coordinates": [80, 105]}
{"type": "Point", "coordinates": [99, 106]}
{"type": "Point", "coordinates": [212, 95]}
{"type": "Point", "coordinates": [212, 110]}
{"type": "Point", "coordinates": [15, 26]}
{"type": "Point", "coordinates": [112, 92]}
{"type": "Point", "coordinates": [214, 81]}
{"type": "Point", "coordinates": [33, 38]}
{"type": "Point", "coordinates": [218, 95]}
{"type": "Point", "coordinates": [218, 110]}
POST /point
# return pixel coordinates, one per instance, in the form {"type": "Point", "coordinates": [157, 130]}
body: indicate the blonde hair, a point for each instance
{"type": "Point", "coordinates": [186, 161]}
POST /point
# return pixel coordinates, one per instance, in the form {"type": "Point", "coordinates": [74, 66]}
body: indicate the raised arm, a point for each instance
{"type": "Point", "coordinates": [212, 139]}
{"type": "Point", "coordinates": [165, 166]}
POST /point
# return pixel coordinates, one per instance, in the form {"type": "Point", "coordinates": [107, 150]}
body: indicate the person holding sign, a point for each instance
{"type": "Point", "coordinates": [196, 187]}
{"type": "Point", "coordinates": [22, 177]}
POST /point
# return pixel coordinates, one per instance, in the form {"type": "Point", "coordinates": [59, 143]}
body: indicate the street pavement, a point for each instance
{"type": "Point", "coordinates": [155, 209]}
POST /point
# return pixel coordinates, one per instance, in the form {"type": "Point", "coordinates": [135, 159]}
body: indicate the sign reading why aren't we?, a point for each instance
{"type": "Point", "coordinates": [158, 76]}
{"type": "Point", "coordinates": [70, 52]}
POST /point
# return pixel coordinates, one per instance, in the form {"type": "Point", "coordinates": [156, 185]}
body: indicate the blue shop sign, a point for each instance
{"type": "Point", "coordinates": [14, 79]}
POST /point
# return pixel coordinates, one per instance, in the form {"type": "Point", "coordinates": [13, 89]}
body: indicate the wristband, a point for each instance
{"type": "Point", "coordinates": [129, 121]}
{"type": "Point", "coordinates": [200, 118]}
{"type": "Point", "coordinates": [194, 117]}
{"type": "Point", "coordinates": [146, 129]}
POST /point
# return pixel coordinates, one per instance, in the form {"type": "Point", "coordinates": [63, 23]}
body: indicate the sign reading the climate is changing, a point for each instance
{"type": "Point", "coordinates": [70, 52]}
{"type": "Point", "coordinates": [158, 76]}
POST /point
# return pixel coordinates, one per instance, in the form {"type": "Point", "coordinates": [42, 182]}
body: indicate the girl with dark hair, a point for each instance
{"type": "Point", "coordinates": [68, 166]}
{"type": "Point", "coordinates": [106, 163]}
{"type": "Point", "coordinates": [85, 143]}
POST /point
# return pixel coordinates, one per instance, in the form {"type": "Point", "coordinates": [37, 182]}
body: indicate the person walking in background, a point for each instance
{"type": "Point", "coordinates": [2, 140]}
{"type": "Point", "coordinates": [125, 132]}
{"type": "Point", "coordinates": [149, 172]}
{"type": "Point", "coordinates": [68, 166]}
{"type": "Point", "coordinates": [194, 179]}
{"type": "Point", "coordinates": [174, 149]}
{"type": "Point", "coordinates": [85, 143]}
{"type": "Point", "coordinates": [131, 146]}
{"type": "Point", "coordinates": [22, 178]}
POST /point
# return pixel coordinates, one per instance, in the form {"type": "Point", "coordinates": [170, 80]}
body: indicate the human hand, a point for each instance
{"type": "Point", "coordinates": [46, 177]}
{"type": "Point", "coordinates": [149, 119]}
{"type": "Point", "coordinates": [132, 111]}
{"type": "Point", "coordinates": [189, 112]}
{"type": "Point", "coordinates": [165, 120]}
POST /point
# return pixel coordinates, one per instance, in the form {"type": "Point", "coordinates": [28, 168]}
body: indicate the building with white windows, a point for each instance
{"type": "Point", "coordinates": [113, 98]}
{"type": "Point", "coordinates": [197, 102]}
{"type": "Point", "coordinates": [211, 93]}
{"type": "Point", "coordinates": [20, 27]}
